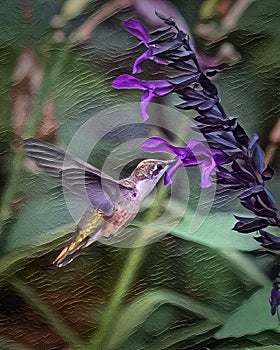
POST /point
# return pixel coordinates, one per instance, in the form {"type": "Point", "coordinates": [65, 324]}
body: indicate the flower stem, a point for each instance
{"type": "Point", "coordinates": [127, 276]}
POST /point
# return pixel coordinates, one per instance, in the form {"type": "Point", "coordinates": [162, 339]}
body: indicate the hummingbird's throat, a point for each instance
{"type": "Point", "coordinates": [144, 188]}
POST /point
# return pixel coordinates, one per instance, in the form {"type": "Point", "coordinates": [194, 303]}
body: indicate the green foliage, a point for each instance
{"type": "Point", "coordinates": [250, 87]}
{"type": "Point", "coordinates": [244, 322]}
{"type": "Point", "coordinates": [207, 287]}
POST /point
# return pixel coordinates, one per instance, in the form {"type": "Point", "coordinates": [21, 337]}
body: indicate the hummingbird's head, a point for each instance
{"type": "Point", "coordinates": [148, 173]}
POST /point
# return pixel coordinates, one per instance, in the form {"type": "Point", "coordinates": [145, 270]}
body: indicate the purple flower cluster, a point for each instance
{"type": "Point", "coordinates": [238, 158]}
{"type": "Point", "coordinates": [194, 153]}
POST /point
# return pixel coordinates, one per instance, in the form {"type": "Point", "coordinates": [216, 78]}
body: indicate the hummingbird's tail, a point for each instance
{"type": "Point", "coordinates": [65, 257]}
{"type": "Point", "coordinates": [88, 231]}
{"type": "Point", "coordinates": [70, 252]}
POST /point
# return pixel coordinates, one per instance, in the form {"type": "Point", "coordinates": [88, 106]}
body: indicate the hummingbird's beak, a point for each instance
{"type": "Point", "coordinates": [168, 163]}
{"type": "Point", "coordinates": [171, 161]}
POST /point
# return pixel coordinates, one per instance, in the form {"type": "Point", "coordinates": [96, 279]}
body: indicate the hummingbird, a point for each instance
{"type": "Point", "coordinates": [112, 203]}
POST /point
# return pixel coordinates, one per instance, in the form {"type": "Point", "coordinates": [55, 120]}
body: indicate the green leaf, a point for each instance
{"type": "Point", "coordinates": [134, 315]}
{"type": "Point", "coordinates": [42, 221]}
{"type": "Point", "coordinates": [261, 16]}
{"type": "Point", "coordinates": [198, 333]}
{"type": "Point", "coordinates": [215, 232]}
{"type": "Point", "coordinates": [251, 318]}
{"type": "Point", "coordinates": [44, 211]}
{"type": "Point", "coordinates": [264, 338]}
{"type": "Point", "coordinates": [9, 260]}
{"type": "Point", "coordinates": [26, 24]}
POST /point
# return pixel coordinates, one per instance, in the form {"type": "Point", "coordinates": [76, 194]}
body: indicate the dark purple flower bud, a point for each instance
{"type": "Point", "coordinates": [275, 296]}
{"type": "Point", "coordinates": [257, 153]}
{"type": "Point", "coordinates": [195, 99]}
{"type": "Point", "coordinates": [182, 81]}
{"type": "Point", "coordinates": [247, 225]}
{"type": "Point", "coordinates": [236, 176]}
{"type": "Point", "coordinates": [194, 153]}
{"type": "Point", "coordinates": [207, 85]}
{"type": "Point", "coordinates": [260, 201]}
{"type": "Point", "coordinates": [268, 240]}
{"type": "Point", "coordinates": [240, 135]}
{"type": "Point", "coordinates": [138, 30]}
{"type": "Point", "coordinates": [267, 173]}
{"type": "Point", "coordinates": [243, 171]}
{"type": "Point", "coordinates": [210, 125]}
{"type": "Point", "coordinates": [224, 141]}
{"type": "Point", "coordinates": [151, 89]}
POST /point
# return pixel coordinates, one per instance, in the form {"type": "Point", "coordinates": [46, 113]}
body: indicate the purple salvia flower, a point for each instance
{"type": "Point", "coordinates": [138, 30]}
{"type": "Point", "coordinates": [194, 153]}
{"type": "Point", "coordinates": [220, 131]}
{"type": "Point", "coordinates": [245, 169]}
{"type": "Point", "coordinates": [151, 89]}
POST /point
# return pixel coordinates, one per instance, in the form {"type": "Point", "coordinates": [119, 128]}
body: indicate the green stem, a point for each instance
{"type": "Point", "coordinates": [65, 332]}
{"type": "Point", "coordinates": [128, 275]}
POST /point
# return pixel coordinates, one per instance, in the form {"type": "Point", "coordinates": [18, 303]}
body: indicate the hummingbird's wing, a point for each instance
{"type": "Point", "coordinates": [81, 178]}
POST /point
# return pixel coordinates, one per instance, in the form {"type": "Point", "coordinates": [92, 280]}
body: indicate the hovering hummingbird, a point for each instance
{"type": "Point", "coordinates": [113, 204]}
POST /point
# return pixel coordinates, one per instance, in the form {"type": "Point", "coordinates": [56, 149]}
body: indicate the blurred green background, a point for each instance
{"type": "Point", "coordinates": [207, 290]}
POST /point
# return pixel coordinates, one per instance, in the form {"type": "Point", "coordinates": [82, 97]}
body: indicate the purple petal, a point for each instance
{"type": "Point", "coordinates": [145, 100]}
{"type": "Point", "coordinates": [136, 67]}
{"type": "Point", "coordinates": [170, 172]}
{"type": "Point", "coordinates": [160, 87]}
{"type": "Point", "coordinates": [162, 91]}
{"type": "Point", "coordinates": [127, 81]}
{"type": "Point", "coordinates": [137, 29]}
{"type": "Point", "coordinates": [218, 156]}
{"type": "Point", "coordinates": [189, 159]}
{"type": "Point", "coordinates": [148, 55]}
{"type": "Point", "coordinates": [199, 149]}
{"type": "Point", "coordinates": [206, 169]}
{"type": "Point", "coordinates": [203, 156]}
{"type": "Point", "coordinates": [196, 152]}
{"type": "Point", "coordinates": [157, 144]}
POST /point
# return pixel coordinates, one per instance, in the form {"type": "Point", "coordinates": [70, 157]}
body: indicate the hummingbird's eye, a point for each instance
{"type": "Point", "coordinates": [159, 167]}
